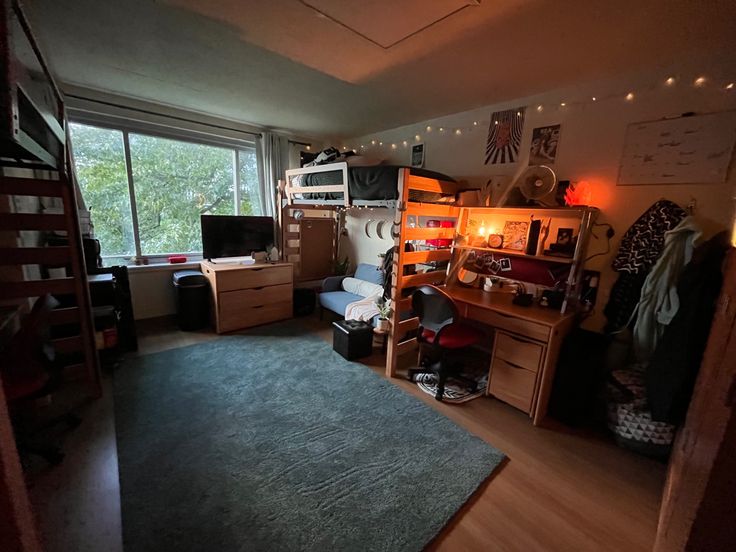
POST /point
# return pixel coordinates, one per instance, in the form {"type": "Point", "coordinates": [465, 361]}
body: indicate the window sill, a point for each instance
{"type": "Point", "coordinates": [154, 267]}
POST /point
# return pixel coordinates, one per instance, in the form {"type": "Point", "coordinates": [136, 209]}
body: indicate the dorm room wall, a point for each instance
{"type": "Point", "coordinates": [591, 143]}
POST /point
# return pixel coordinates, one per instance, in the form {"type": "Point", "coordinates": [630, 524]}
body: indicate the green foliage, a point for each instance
{"type": "Point", "coordinates": [175, 182]}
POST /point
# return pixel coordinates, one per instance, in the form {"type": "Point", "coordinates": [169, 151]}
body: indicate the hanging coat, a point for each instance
{"type": "Point", "coordinates": [659, 302]}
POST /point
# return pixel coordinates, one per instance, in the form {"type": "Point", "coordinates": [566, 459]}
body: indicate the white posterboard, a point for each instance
{"type": "Point", "coordinates": [685, 150]}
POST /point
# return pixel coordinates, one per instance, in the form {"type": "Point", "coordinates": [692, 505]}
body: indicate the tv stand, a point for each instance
{"type": "Point", "coordinates": [249, 295]}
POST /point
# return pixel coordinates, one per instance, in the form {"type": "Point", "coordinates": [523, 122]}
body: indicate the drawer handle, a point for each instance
{"type": "Point", "coordinates": [519, 339]}
{"type": "Point", "coordinates": [513, 365]}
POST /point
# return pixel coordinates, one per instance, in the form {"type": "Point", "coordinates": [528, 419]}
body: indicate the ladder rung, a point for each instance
{"type": "Point", "coordinates": [31, 187]}
{"type": "Point", "coordinates": [36, 288]}
{"type": "Point", "coordinates": [68, 315]}
{"type": "Point", "coordinates": [55, 255]}
{"type": "Point", "coordinates": [26, 221]}
{"type": "Point", "coordinates": [66, 345]}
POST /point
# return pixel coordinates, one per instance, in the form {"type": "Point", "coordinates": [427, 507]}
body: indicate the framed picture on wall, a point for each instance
{"type": "Point", "coordinates": [514, 235]}
{"type": "Point", "coordinates": [417, 155]}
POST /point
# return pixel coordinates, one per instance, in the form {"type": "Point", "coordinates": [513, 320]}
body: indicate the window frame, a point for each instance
{"type": "Point", "coordinates": [236, 146]}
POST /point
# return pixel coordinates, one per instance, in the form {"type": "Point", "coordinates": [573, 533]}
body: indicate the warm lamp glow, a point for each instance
{"type": "Point", "coordinates": [700, 81]}
{"type": "Point", "coordinates": [579, 194]}
{"type": "Point", "coordinates": [482, 229]}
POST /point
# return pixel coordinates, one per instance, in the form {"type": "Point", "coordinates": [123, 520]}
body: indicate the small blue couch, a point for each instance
{"type": "Point", "coordinates": [336, 299]}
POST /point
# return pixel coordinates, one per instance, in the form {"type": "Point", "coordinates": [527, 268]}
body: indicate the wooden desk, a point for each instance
{"type": "Point", "coordinates": [249, 295]}
{"type": "Point", "coordinates": [525, 349]}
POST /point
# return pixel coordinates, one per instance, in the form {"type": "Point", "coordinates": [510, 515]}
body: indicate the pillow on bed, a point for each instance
{"type": "Point", "coordinates": [361, 287]}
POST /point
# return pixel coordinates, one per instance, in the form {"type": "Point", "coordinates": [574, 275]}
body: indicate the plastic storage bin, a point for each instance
{"type": "Point", "coordinates": [192, 299]}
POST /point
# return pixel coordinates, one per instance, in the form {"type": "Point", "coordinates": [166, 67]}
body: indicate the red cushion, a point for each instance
{"type": "Point", "coordinates": [455, 336]}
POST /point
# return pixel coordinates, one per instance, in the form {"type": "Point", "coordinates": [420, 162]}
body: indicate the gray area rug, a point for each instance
{"type": "Point", "coordinates": [272, 441]}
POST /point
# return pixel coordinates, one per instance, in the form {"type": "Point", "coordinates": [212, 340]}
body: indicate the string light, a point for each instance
{"type": "Point", "coordinates": [309, 148]}
{"type": "Point", "coordinates": [628, 96]}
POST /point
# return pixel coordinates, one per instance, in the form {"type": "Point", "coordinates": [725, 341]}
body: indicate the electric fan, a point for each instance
{"type": "Point", "coordinates": [538, 183]}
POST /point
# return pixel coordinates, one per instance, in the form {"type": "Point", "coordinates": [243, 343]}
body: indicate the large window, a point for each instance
{"type": "Point", "coordinates": [152, 207]}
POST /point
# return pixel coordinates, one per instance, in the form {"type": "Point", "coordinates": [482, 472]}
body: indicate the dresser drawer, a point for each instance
{"type": "Point", "coordinates": [255, 297]}
{"type": "Point", "coordinates": [518, 352]}
{"type": "Point", "coordinates": [512, 384]}
{"type": "Point", "coordinates": [233, 317]}
{"type": "Point", "coordinates": [229, 280]}
{"type": "Point", "coordinates": [540, 332]}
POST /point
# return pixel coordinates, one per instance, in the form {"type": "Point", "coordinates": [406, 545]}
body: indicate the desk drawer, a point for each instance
{"type": "Point", "coordinates": [539, 332]}
{"type": "Point", "coordinates": [512, 384]}
{"type": "Point", "coordinates": [518, 352]}
{"type": "Point", "coordinates": [234, 318]}
{"type": "Point", "coordinates": [253, 278]}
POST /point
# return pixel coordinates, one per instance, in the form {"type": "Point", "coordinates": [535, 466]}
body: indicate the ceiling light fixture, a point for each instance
{"type": "Point", "coordinates": [730, 86]}
{"type": "Point", "coordinates": [563, 104]}
{"type": "Point", "coordinates": [475, 123]}
{"type": "Point", "coordinates": [629, 96]}
{"type": "Point", "coordinates": [700, 81]}
{"type": "Point", "coordinates": [670, 81]}
{"type": "Point", "coordinates": [594, 98]}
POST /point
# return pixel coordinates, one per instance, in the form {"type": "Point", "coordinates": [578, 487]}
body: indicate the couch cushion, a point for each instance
{"type": "Point", "coordinates": [361, 287]}
{"type": "Point", "coordinates": [369, 273]}
{"type": "Point", "coordinates": [337, 301]}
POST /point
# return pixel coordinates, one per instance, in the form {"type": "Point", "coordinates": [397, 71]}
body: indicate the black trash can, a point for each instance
{"type": "Point", "coordinates": [192, 299]}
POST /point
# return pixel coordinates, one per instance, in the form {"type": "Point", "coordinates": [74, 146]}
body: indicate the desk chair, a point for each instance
{"type": "Point", "coordinates": [441, 332]}
{"type": "Point", "coordinates": [29, 373]}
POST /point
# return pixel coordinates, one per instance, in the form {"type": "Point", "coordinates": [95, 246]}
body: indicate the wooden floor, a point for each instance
{"type": "Point", "coordinates": [559, 490]}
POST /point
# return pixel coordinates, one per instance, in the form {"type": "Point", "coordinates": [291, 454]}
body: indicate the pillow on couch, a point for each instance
{"type": "Point", "coordinates": [361, 287]}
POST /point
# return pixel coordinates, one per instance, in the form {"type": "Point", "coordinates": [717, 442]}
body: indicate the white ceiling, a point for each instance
{"type": "Point", "coordinates": [350, 67]}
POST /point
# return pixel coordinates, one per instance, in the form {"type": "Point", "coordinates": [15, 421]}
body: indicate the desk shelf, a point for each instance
{"type": "Point", "coordinates": [514, 253]}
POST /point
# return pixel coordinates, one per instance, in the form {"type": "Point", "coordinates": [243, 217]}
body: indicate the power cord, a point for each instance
{"type": "Point", "coordinates": [610, 232]}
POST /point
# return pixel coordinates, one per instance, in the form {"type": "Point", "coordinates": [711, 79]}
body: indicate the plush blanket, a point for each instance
{"type": "Point", "coordinates": [364, 309]}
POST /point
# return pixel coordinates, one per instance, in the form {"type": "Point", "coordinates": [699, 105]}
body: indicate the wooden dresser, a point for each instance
{"type": "Point", "coordinates": [249, 295]}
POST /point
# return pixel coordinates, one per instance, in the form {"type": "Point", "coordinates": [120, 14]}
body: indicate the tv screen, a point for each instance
{"type": "Point", "coordinates": [231, 236]}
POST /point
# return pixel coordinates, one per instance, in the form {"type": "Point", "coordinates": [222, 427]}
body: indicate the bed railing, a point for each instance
{"type": "Point", "coordinates": [291, 191]}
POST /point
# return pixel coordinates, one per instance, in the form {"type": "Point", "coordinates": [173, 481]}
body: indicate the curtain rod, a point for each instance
{"type": "Point", "coordinates": [174, 117]}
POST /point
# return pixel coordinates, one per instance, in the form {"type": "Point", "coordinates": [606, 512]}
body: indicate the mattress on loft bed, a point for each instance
{"type": "Point", "coordinates": [374, 183]}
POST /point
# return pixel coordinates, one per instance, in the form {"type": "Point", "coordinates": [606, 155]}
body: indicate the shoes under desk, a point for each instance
{"type": "Point", "coordinates": [525, 349]}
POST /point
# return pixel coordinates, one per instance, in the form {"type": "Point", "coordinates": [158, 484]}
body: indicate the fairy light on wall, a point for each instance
{"type": "Point", "coordinates": [701, 82]}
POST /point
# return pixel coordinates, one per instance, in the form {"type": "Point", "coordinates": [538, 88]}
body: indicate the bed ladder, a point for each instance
{"type": "Point", "coordinates": [401, 339]}
{"type": "Point", "coordinates": [70, 257]}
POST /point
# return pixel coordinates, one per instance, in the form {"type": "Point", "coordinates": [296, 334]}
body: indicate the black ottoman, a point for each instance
{"type": "Point", "coordinates": [352, 339]}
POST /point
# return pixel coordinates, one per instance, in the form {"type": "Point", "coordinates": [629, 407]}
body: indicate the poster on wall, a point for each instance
{"type": "Point", "coordinates": [695, 150]}
{"type": "Point", "coordinates": [504, 136]}
{"type": "Point", "coordinates": [543, 149]}
{"type": "Point", "coordinates": [417, 155]}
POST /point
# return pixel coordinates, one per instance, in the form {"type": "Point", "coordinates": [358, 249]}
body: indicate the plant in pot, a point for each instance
{"type": "Point", "coordinates": [384, 313]}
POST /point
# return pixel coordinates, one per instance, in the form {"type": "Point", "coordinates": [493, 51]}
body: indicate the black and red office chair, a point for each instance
{"type": "Point", "coordinates": [441, 333]}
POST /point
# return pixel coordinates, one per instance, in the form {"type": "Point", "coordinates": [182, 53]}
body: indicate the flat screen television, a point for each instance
{"type": "Point", "coordinates": [233, 236]}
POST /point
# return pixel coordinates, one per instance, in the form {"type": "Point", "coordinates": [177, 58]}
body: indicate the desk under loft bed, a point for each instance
{"type": "Point", "coordinates": [526, 340]}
